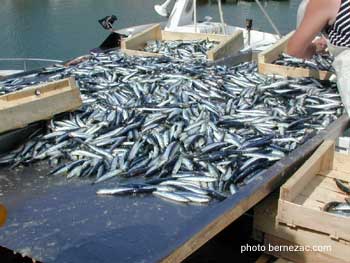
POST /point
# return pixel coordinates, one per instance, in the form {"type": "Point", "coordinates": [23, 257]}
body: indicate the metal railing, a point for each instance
{"type": "Point", "coordinates": [26, 60]}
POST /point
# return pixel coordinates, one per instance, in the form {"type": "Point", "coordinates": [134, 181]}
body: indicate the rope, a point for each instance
{"type": "Point", "coordinates": [195, 15]}
{"type": "Point", "coordinates": [268, 18]}
{"type": "Point", "coordinates": [222, 18]}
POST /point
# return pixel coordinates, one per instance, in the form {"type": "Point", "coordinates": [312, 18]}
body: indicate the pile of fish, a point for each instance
{"type": "Point", "coordinates": [186, 50]}
{"type": "Point", "coordinates": [317, 62]}
{"type": "Point", "coordinates": [187, 132]}
{"type": "Point", "coordinates": [339, 208]}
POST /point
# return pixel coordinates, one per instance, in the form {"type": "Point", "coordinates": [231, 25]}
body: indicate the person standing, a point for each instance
{"type": "Point", "coordinates": [332, 18]}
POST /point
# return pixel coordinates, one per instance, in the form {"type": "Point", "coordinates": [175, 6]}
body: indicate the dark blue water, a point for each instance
{"type": "Point", "coordinates": [62, 29]}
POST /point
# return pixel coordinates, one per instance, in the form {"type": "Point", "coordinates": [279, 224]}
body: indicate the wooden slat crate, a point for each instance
{"type": "Point", "coordinates": [227, 44]}
{"type": "Point", "coordinates": [268, 56]}
{"type": "Point", "coordinates": [303, 196]}
{"type": "Point", "coordinates": [42, 102]}
{"type": "Point", "coordinates": [273, 233]}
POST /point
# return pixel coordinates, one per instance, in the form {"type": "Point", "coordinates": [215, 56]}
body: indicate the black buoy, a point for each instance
{"type": "Point", "coordinates": [249, 26]}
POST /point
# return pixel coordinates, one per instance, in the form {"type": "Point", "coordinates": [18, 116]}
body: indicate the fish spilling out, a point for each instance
{"type": "Point", "coordinates": [317, 62]}
{"type": "Point", "coordinates": [186, 132]}
{"type": "Point", "coordinates": [182, 49]}
{"type": "Point", "coordinates": [339, 208]}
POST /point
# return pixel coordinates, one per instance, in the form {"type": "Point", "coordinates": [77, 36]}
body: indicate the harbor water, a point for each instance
{"type": "Point", "coordinates": [62, 29]}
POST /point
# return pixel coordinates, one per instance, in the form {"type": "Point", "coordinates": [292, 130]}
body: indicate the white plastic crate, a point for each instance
{"type": "Point", "coordinates": [343, 143]}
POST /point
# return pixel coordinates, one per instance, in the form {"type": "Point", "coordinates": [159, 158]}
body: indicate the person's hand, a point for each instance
{"type": "Point", "coordinates": [320, 44]}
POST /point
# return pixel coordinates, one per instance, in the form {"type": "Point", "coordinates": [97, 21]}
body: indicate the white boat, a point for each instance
{"type": "Point", "coordinates": [23, 62]}
{"type": "Point", "coordinates": [183, 19]}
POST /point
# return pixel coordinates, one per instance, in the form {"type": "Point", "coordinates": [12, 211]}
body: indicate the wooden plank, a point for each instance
{"type": "Point", "coordinates": [306, 192]}
{"type": "Point", "coordinates": [342, 163]}
{"type": "Point", "coordinates": [324, 184]}
{"type": "Point", "coordinates": [314, 204]}
{"type": "Point", "coordinates": [169, 35]}
{"type": "Point", "coordinates": [303, 176]}
{"type": "Point", "coordinates": [328, 156]}
{"type": "Point", "coordinates": [272, 53]}
{"type": "Point", "coordinates": [317, 199]}
{"type": "Point", "coordinates": [228, 47]}
{"type": "Point", "coordinates": [36, 103]}
{"type": "Point", "coordinates": [335, 226]}
{"type": "Point", "coordinates": [139, 53]}
{"type": "Point", "coordinates": [139, 40]}
{"type": "Point", "coordinates": [345, 176]}
{"type": "Point", "coordinates": [314, 191]}
{"type": "Point", "coordinates": [265, 221]}
{"type": "Point", "coordinates": [286, 71]}
{"type": "Point", "coordinates": [26, 94]}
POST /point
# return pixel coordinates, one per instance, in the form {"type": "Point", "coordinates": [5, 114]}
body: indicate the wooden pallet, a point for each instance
{"type": "Point", "coordinates": [228, 44]}
{"type": "Point", "coordinates": [42, 102]}
{"type": "Point", "coordinates": [268, 56]}
{"type": "Point", "coordinates": [304, 195]}
{"type": "Point", "coordinates": [271, 232]}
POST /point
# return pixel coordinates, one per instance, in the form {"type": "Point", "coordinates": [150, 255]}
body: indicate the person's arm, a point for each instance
{"type": "Point", "coordinates": [317, 15]}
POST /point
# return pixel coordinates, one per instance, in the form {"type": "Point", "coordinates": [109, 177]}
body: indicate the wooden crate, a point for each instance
{"type": "Point", "coordinates": [273, 233]}
{"type": "Point", "coordinates": [268, 56]}
{"type": "Point", "coordinates": [227, 44]}
{"type": "Point", "coordinates": [303, 196]}
{"type": "Point", "coordinates": [42, 102]}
